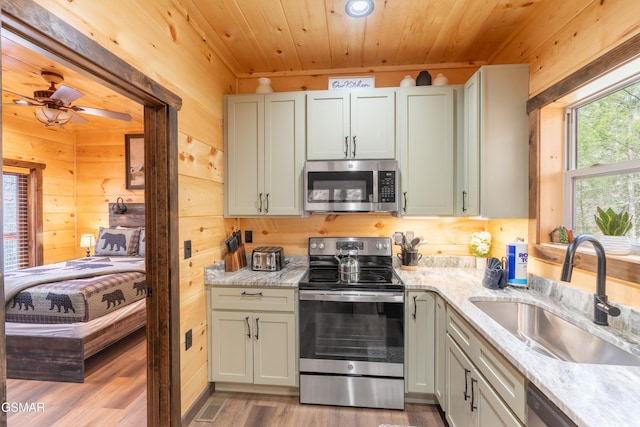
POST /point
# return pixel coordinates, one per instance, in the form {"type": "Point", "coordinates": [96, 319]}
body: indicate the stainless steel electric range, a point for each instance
{"type": "Point", "coordinates": [351, 330]}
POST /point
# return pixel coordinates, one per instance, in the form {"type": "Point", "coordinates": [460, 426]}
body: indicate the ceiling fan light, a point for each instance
{"type": "Point", "coordinates": [359, 8]}
{"type": "Point", "coordinates": [52, 116]}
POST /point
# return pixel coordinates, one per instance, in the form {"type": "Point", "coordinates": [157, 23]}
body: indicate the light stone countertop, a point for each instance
{"type": "Point", "coordinates": [591, 395]}
{"type": "Point", "coordinates": [288, 277]}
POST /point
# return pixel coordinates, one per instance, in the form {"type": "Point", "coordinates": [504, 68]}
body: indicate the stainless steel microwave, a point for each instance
{"type": "Point", "coordinates": [351, 186]}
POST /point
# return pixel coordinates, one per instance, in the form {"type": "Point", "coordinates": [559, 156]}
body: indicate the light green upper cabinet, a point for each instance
{"type": "Point", "coordinates": [426, 139]}
{"type": "Point", "coordinates": [265, 153]}
{"type": "Point", "coordinates": [494, 159]}
{"type": "Point", "coordinates": [357, 124]}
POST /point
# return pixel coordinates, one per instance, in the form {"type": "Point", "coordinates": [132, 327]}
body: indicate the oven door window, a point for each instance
{"type": "Point", "coordinates": [338, 187]}
{"type": "Point", "coordinates": [372, 332]}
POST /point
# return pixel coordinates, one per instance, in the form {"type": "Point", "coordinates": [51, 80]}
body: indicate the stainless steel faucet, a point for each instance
{"type": "Point", "coordinates": [601, 305]}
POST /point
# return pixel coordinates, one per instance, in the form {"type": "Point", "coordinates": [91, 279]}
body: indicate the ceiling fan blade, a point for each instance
{"type": "Point", "coordinates": [102, 113]}
{"type": "Point", "coordinates": [20, 103]}
{"type": "Point", "coordinates": [77, 118]}
{"type": "Point", "coordinates": [66, 95]}
{"type": "Point", "coordinates": [20, 95]}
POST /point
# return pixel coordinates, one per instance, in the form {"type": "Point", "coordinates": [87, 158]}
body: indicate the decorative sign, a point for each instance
{"type": "Point", "coordinates": [350, 83]}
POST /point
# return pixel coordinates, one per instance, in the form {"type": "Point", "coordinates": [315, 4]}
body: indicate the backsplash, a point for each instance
{"type": "Point", "coordinates": [579, 300]}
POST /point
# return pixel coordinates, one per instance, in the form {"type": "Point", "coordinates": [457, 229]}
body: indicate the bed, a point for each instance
{"type": "Point", "coordinates": [58, 315]}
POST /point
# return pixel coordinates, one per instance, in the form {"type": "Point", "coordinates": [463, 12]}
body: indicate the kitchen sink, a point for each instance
{"type": "Point", "coordinates": [553, 336]}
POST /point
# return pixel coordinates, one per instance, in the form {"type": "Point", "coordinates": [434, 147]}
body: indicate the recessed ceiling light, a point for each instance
{"type": "Point", "coordinates": [359, 8]}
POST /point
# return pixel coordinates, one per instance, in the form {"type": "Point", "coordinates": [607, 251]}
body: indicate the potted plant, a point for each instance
{"type": "Point", "coordinates": [614, 227]}
{"type": "Point", "coordinates": [480, 247]}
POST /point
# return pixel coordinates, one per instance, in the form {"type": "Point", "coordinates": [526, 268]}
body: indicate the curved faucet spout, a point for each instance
{"type": "Point", "coordinates": [601, 305]}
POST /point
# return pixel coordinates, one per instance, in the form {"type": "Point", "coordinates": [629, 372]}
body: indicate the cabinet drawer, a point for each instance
{"type": "Point", "coordinates": [503, 377]}
{"type": "Point", "coordinates": [461, 332]}
{"type": "Point", "coordinates": [252, 299]}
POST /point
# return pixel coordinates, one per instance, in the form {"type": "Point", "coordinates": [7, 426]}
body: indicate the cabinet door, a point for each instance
{"type": "Point", "coordinates": [420, 342]}
{"type": "Point", "coordinates": [459, 374]}
{"type": "Point", "coordinates": [328, 134]}
{"type": "Point", "coordinates": [426, 128]}
{"type": "Point", "coordinates": [373, 124]}
{"type": "Point", "coordinates": [244, 151]}
{"type": "Point", "coordinates": [231, 344]}
{"type": "Point", "coordinates": [274, 349]}
{"type": "Point", "coordinates": [491, 410]}
{"type": "Point", "coordinates": [284, 153]}
{"type": "Point", "coordinates": [470, 153]}
{"type": "Point", "coordinates": [440, 356]}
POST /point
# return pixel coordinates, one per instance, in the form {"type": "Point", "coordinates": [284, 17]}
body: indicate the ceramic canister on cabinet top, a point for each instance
{"type": "Point", "coordinates": [517, 257]}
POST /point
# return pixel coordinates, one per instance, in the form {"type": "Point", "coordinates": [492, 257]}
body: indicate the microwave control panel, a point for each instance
{"type": "Point", "coordinates": [387, 186]}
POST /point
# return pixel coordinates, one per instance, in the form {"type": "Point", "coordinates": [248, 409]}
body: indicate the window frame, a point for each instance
{"type": "Point", "coordinates": [617, 267]}
{"type": "Point", "coordinates": [572, 172]}
{"type": "Point", "coordinates": [36, 221]}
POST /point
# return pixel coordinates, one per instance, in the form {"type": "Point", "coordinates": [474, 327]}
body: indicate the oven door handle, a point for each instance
{"type": "Point", "coordinates": [349, 296]}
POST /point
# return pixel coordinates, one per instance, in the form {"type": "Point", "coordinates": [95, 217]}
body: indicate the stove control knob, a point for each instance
{"type": "Point", "coordinates": [350, 367]}
{"type": "Point", "coordinates": [320, 245]}
{"type": "Point", "coordinates": [313, 245]}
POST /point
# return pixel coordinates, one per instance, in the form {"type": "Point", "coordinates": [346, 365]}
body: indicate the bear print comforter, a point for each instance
{"type": "Point", "coordinates": [79, 290]}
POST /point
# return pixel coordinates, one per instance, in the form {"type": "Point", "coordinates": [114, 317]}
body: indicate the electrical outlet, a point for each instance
{"type": "Point", "coordinates": [187, 249]}
{"type": "Point", "coordinates": [248, 236]}
{"type": "Point", "coordinates": [188, 339]}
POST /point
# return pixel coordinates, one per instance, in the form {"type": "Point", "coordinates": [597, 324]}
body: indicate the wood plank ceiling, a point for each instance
{"type": "Point", "coordinates": [21, 68]}
{"type": "Point", "coordinates": [284, 37]}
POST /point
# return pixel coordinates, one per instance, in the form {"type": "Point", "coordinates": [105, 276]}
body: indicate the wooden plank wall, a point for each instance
{"type": "Point", "coordinates": [584, 30]}
{"type": "Point", "coordinates": [170, 43]}
{"type": "Point", "coordinates": [100, 175]}
{"type": "Point", "coordinates": [26, 140]}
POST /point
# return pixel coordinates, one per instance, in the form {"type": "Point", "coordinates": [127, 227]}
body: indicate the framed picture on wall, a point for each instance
{"type": "Point", "coordinates": [134, 157]}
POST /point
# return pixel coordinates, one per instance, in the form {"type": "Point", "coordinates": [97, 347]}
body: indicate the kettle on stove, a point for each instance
{"type": "Point", "coordinates": [348, 266]}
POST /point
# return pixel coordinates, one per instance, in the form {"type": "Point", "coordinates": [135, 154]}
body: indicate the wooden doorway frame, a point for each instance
{"type": "Point", "coordinates": [51, 36]}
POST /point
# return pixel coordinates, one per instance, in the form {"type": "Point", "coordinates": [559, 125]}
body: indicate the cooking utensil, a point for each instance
{"type": "Point", "coordinates": [398, 238]}
{"type": "Point", "coordinates": [409, 236]}
{"type": "Point", "coordinates": [415, 242]}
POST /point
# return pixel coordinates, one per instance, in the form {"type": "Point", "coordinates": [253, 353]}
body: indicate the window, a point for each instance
{"type": "Point", "coordinates": [603, 156]}
{"type": "Point", "coordinates": [15, 220]}
{"type": "Point", "coordinates": [22, 214]}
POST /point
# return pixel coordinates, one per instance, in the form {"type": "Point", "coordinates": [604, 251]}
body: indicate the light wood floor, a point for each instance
{"type": "Point", "coordinates": [254, 410]}
{"type": "Point", "coordinates": [114, 394]}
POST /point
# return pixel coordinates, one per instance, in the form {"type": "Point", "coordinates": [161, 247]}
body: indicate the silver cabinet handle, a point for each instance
{"type": "Point", "coordinates": [266, 208]}
{"type": "Point", "coordinates": [260, 201]}
{"type": "Point", "coordinates": [404, 208]}
{"type": "Point", "coordinates": [246, 319]}
{"type": "Point", "coordinates": [354, 147]}
{"type": "Point", "coordinates": [346, 147]}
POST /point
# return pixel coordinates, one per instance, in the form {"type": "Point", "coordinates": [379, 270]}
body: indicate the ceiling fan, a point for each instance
{"type": "Point", "coordinates": [53, 105]}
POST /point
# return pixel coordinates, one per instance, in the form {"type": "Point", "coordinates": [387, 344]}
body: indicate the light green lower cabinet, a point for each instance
{"type": "Point", "coordinates": [440, 356]}
{"type": "Point", "coordinates": [419, 342]}
{"type": "Point", "coordinates": [482, 388]}
{"type": "Point", "coordinates": [252, 336]}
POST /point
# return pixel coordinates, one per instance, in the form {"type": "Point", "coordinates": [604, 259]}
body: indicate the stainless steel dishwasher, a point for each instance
{"type": "Point", "coordinates": [542, 412]}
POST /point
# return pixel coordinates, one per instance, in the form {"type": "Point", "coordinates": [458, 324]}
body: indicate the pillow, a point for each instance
{"type": "Point", "coordinates": [117, 241]}
{"type": "Point", "coordinates": [142, 243]}
{"type": "Point", "coordinates": [135, 243]}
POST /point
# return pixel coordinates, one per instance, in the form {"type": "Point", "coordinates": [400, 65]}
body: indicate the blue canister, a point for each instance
{"type": "Point", "coordinates": [517, 256]}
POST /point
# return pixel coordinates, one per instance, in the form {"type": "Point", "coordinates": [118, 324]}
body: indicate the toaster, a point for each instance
{"type": "Point", "coordinates": [267, 258]}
